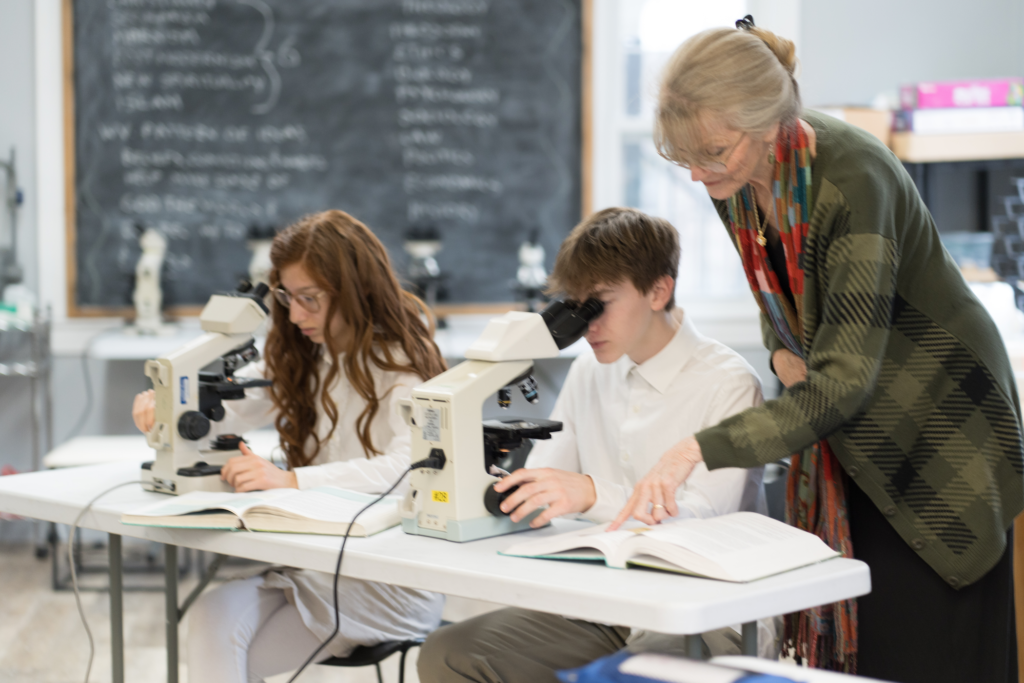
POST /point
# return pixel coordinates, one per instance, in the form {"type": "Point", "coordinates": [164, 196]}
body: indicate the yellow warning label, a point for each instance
{"type": "Point", "coordinates": [439, 496]}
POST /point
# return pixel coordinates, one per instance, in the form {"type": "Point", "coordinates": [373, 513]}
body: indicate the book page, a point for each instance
{"type": "Point", "coordinates": [198, 501]}
{"type": "Point", "coordinates": [741, 546]}
{"type": "Point", "coordinates": [591, 537]}
{"type": "Point", "coordinates": [332, 504]}
{"type": "Point", "coordinates": [717, 537]}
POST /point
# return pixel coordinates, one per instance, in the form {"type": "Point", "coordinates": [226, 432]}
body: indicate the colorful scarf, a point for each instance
{"type": "Point", "coordinates": [825, 636]}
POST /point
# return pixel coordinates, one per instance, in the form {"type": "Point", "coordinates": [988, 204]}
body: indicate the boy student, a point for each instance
{"type": "Point", "coordinates": [650, 380]}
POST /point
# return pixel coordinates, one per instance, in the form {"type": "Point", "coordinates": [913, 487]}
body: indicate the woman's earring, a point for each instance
{"type": "Point", "coordinates": [771, 154]}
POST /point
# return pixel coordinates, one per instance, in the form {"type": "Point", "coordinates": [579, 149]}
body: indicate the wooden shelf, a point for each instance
{"type": "Point", "coordinates": [964, 147]}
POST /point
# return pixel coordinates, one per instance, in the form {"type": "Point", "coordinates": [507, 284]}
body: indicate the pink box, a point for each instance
{"type": "Point", "coordinates": [998, 92]}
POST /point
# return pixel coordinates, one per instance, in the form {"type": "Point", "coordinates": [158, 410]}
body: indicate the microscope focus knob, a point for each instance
{"type": "Point", "coordinates": [193, 425]}
{"type": "Point", "coordinates": [493, 500]}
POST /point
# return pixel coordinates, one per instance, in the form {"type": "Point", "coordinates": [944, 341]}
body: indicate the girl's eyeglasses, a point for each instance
{"type": "Point", "coordinates": [310, 302]}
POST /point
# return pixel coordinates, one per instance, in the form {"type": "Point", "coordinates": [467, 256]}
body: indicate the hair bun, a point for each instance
{"type": "Point", "coordinates": [783, 48]}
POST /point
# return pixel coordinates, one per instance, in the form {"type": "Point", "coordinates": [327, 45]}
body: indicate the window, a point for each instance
{"type": "Point", "coordinates": [645, 33]}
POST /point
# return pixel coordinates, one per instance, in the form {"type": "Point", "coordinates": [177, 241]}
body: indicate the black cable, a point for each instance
{"type": "Point", "coordinates": [74, 575]}
{"type": "Point", "coordinates": [432, 462]}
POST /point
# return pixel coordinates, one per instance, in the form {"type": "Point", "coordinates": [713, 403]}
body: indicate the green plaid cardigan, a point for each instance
{"type": "Point", "coordinates": [907, 376]}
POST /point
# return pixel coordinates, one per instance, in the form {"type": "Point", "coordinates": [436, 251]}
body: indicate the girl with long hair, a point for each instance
{"type": "Point", "coordinates": [345, 345]}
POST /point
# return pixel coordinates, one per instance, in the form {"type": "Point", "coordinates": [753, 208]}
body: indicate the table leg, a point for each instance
{"type": "Point", "coordinates": [116, 608]}
{"type": "Point", "coordinates": [750, 638]}
{"type": "Point", "coordinates": [695, 646]}
{"type": "Point", "coordinates": [171, 608]}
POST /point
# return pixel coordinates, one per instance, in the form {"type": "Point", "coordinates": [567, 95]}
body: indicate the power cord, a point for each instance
{"type": "Point", "coordinates": [434, 462]}
{"type": "Point", "coordinates": [74, 575]}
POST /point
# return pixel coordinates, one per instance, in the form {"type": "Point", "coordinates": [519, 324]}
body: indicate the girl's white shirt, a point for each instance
{"type": "Point", "coordinates": [342, 461]}
{"type": "Point", "coordinates": [371, 612]}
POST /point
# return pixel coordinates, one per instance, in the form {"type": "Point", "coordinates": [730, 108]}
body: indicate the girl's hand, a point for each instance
{"type": "Point", "coordinates": [789, 367]}
{"type": "Point", "coordinates": [144, 410]}
{"type": "Point", "coordinates": [654, 496]}
{"type": "Point", "coordinates": [250, 472]}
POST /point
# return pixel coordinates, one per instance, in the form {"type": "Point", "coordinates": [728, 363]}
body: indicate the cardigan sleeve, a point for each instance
{"type": "Point", "coordinates": [771, 340]}
{"type": "Point", "coordinates": [856, 263]}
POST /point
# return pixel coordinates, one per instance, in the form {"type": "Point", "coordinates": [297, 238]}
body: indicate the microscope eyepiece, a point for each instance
{"type": "Point", "coordinates": [590, 309]}
{"type": "Point", "coordinates": [568, 320]}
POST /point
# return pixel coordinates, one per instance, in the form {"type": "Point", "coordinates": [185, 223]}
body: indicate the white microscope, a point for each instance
{"type": "Point", "coordinates": [456, 499]}
{"type": "Point", "coordinates": [531, 278]}
{"type": "Point", "coordinates": [190, 385]}
{"type": "Point", "coordinates": [147, 297]}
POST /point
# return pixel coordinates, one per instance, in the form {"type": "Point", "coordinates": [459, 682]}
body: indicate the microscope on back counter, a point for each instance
{"type": "Point", "coordinates": [531, 277]}
{"type": "Point", "coordinates": [455, 498]}
{"type": "Point", "coordinates": [191, 385]}
{"type": "Point", "coordinates": [423, 244]}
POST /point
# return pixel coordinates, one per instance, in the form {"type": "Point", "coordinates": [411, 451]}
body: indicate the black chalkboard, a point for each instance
{"type": "Point", "coordinates": [204, 117]}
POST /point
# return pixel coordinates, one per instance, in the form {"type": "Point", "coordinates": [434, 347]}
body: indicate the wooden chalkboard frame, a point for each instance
{"type": "Point", "coordinates": [70, 185]}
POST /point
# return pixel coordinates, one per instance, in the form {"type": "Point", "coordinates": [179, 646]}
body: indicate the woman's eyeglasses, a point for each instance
{"type": "Point", "coordinates": [716, 164]}
{"type": "Point", "coordinates": [310, 302]}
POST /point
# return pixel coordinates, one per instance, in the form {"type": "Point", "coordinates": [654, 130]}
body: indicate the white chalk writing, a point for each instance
{"type": "Point", "coordinates": [416, 52]}
{"type": "Point", "coordinates": [425, 30]}
{"type": "Point", "coordinates": [436, 156]}
{"type": "Point", "coordinates": [446, 117]}
{"type": "Point", "coordinates": [416, 182]}
{"type": "Point", "coordinates": [426, 74]}
{"type": "Point", "coordinates": [448, 7]}
{"type": "Point", "coordinates": [164, 158]}
{"type": "Point", "coordinates": [418, 211]}
{"type": "Point", "coordinates": [175, 80]}
{"type": "Point", "coordinates": [432, 95]}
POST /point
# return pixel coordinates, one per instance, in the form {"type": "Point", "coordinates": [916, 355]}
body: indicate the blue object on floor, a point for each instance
{"type": "Point", "coordinates": [606, 670]}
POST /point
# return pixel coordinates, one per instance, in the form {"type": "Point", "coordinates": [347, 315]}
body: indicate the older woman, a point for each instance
{"type": "Point", "coordinates": [899, 411]}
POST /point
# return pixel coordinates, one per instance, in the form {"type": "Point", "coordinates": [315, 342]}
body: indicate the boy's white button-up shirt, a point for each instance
{"type": "Point", "coordinates": [620, 418]}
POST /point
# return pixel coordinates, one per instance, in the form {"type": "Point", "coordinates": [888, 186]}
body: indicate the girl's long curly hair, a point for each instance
{"type": "Point", "coordinates": [351, 266]}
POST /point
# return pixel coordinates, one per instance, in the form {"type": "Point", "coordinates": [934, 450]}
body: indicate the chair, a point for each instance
{"type": "Point", "coordinates": [375, 654]}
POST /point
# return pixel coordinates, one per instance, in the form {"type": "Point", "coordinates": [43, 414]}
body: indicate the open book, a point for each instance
{"type": "Point", "coordinates": [321, 510]}
{"type": "Point", "coordinates": [742, 546]}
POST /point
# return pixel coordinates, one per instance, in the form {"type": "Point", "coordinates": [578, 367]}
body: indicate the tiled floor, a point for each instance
{"type": "Point", "coordinates": [42, 639]}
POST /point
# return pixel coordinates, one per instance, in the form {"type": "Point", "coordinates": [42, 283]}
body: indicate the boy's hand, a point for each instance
{"type": "Point", "coordinates": [654, 496]}
{"type": "Point", "coordinates": [563, 492]}
{"type": "Point", "coordinates": [144, 410]}
{"type": "Point", "coordinates": [789, 367]}
{"type": "Point", "coordinates": [250, 472]}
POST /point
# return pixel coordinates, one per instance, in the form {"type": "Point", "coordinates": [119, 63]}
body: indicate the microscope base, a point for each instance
{"type": "Point", "coordinates": [464, 530]}
{"type": "Point", "coordinates": [186, 480]}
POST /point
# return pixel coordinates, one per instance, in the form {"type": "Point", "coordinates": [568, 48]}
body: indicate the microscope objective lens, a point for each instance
{"type": "Point", "coordinates": [504, 398]}
{"type": "Point", "coordinates": [529, 388]}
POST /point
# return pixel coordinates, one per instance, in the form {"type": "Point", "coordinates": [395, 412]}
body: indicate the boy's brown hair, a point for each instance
{"type": "Point", "coordinates": [614, 245]}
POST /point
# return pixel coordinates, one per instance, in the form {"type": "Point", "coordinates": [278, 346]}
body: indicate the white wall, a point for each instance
{"type": "Point", "coordinates": [17, 119]}
{"type": "Point", "coordinates": [17, 130]}
{"type": "Point", "coordinates": [851, 51]}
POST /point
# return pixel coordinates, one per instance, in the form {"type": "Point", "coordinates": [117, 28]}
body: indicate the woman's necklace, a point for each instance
{"type": "Point", "coordinates": [761, 226]}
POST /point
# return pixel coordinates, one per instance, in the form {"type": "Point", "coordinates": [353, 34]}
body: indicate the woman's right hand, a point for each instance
{"type": "Point", "coordinates": [144, 410]}
{"type": "Point", "coordinates": [789, 367]}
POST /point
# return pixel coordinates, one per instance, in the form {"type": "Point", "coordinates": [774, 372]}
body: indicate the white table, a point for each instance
{"type": "Point", "coordinates": [662, 602]}
{"type": "Point", "coordinates": [95, 450]}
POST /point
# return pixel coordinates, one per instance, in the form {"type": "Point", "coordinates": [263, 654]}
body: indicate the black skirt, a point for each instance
{"type": "Point", "coordinates": [915, 628]}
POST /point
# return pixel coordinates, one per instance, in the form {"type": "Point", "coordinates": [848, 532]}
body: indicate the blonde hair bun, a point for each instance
{"type": "Point", "coordinates": [783, 48]}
